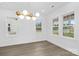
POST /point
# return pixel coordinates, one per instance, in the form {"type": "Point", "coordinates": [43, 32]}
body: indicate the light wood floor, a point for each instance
{"type": "Point", "coordinates": [42, 48]}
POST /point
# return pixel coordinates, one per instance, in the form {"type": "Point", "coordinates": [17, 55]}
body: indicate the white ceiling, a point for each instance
{"type": "Point", "coordinates": [43, 7]}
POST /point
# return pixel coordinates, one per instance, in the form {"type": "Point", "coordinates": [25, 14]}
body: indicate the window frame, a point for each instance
{"type": "Point", "coordinates": [72, 25]}
{"type": "Point", "coordinates": [57, 25]}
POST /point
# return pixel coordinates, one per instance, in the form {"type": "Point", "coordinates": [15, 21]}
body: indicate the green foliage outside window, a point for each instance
{"type": "Point", "coordinates": [55, 27]}
{"type": "Point", "coordinates": [68, 25]}
{"type": "Point", "coordinates": [38, 26]}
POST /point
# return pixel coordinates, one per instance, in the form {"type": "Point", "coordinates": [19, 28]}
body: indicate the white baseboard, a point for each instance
{"type": "Point", "coordinates": [74, 51]}
{"type": "Point", "coordinates": [4, 45]}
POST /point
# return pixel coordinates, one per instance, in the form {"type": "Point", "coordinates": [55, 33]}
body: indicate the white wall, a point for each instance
{"type": "Point", "coordinates": [67, 43]}
{"type": "Point", "coordinates": [26, 32]}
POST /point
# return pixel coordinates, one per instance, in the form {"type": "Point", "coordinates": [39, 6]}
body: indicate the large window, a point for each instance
{"type": "Point", "coordinates": [38, 27]}
{"type": "Point", "coordinates": [55, 26]}
{"type": "Point", "coordinates": [68, 25]}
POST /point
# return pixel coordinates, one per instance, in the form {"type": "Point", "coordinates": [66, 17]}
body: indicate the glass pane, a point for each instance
{"type": "Point", "coordinates": [38, 26]}
{"type": "Point", "coordinates": [68, 25]}
{"type": "Point", "coordinates": [55, 28]}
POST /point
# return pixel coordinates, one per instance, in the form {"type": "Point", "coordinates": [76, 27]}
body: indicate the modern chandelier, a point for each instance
{"type": "Point", "coordinates": [28, 15]}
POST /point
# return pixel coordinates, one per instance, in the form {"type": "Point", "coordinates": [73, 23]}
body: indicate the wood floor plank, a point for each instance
{"type": "Point", "coordinates": [42, 48]}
